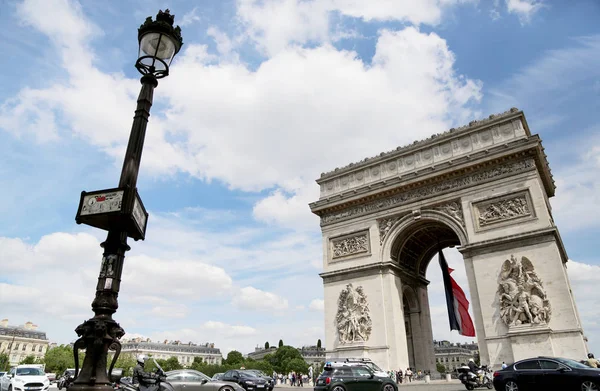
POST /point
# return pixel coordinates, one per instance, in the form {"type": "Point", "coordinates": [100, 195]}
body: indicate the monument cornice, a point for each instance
{"type": "Point", "coordinates": [373, 269]}
{"type": "Point", "coordinates": [449, 135]}
{"type": "Point", "coordinates": [434, 186]}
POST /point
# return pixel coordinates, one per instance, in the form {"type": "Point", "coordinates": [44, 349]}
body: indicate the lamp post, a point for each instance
{"type": "Point", "coordinates": [120, 211]}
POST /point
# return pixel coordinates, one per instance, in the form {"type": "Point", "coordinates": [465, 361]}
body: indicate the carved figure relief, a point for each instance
{"type": "Point", "coordinates": [385, 225]}
{"type": "Point", "coordinates": [521, 293]}
{"type": "Point", "coordinates": [503, 210]}
{"type": "Point", "coordinates": [350, 245]}
{"type": "Point", "coordinates": [452, 209]}
{"type": "Point", "coordinates": [353, 321]}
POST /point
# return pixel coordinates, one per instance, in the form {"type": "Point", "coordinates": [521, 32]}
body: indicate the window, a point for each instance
{"type": "Point", "coordinates": [547, 364]}
{"type": "Point", "coordinates": [361, 372]}
{"type": "Point", "coordinates": [16, 346]}
{"type": "Point", "coordinates": [528, 365]}
{"type": "Point", "coordinates": [192, 377]}
{"type": "Point", "coordinates": [345, 371]}
{"type": "Point", "coordinates": [24, 347]}
{"type": "Point", "coordinates": [40, 349]}
{"type": "Point", "coordinates": [33, 348]}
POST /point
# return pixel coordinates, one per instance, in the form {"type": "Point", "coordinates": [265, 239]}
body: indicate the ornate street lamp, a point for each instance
{"type": "Point", "coordinates": [120, 211]}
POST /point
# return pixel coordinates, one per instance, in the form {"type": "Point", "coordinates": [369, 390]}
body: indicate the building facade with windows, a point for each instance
{"type": "Point", "coordinates": [19, 342]}
{"type": "Point", "coordinates": [452, 355]}
{"type": "Point", "coordinates": [184, 352]}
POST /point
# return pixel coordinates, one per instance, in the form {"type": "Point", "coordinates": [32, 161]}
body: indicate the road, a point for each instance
{"type": "Point", "coordinates": [414, 386]}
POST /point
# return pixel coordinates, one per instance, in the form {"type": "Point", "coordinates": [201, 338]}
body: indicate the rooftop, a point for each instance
{"type": "Point", "coordinates": [28, 330]}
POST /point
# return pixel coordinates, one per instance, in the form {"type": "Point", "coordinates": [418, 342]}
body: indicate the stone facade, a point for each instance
{"type": "Point", "coordinates": [452, 355]}
{"type": "Point", "coordinates": [310, 354]}
{"type": "Point", "coordinates": [22, 341]}
{"type": "Point", "coordinates": [485, 188]}
{"type": "Point", "coordinates": [185, 352]}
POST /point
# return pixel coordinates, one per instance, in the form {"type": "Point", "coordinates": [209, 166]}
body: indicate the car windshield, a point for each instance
{"type": "Point", "coordinates": [249, 374]}
{"type": "Point", "coordinates": [572, 363]}
{"type": "Point", "coordinates": [30, 372]}
{"type": "Point", "coordinates": [373, 367]}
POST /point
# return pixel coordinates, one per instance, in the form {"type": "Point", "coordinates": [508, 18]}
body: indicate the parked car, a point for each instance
{"type": "Point", "coordinates": [2, 374]}
{"type": "Point", "coordinates": [352, 376]}
{"type": "Point", "coordinates": [269, 379]}
{"type": "Point", "coordinates": [217, 376]}
{"type": "Point", "coordinates": [248, 380]}
{"type": "Point", "coordinates": [547, 373]}
{"type": "Point", "coordinates": [25, 377]}
{"type": "Point", "coordinates": [192, 380]}
{"type": "Point", "coordinates": [366, 362]}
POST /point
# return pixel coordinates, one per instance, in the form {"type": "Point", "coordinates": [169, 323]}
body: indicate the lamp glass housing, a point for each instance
{"type": "Point", "coordinates": [157, 51]}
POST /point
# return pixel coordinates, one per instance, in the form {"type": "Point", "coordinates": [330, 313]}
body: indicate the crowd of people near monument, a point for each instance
{"type": "Point", "coordinates": [408, 375]}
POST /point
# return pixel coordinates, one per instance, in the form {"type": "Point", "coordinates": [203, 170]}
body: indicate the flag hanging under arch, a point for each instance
{"type": "Point", "coordinates": [456, 301]}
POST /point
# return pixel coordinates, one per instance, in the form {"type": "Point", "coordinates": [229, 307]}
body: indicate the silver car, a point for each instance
{"type": "Point", "coordinates": [191, 380]}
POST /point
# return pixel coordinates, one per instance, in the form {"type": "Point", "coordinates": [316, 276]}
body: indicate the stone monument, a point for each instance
{"type": "Point", "coordinates": [485, 188]}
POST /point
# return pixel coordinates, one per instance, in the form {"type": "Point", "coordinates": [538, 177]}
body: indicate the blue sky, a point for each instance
{"type": "Point", "coordinates": [263, 97]}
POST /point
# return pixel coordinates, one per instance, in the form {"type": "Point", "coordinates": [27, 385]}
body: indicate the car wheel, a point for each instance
{"type": "Point", "coordinates": [338, 388]}
{"type": "Point", "coordinates": [511, 386]}
{"type": "Point", "coordinates": [389, 387]}
{"type": "Point", "coordinates": [589, 385]}
{"type": "Point", "coordinates": [226, 388]}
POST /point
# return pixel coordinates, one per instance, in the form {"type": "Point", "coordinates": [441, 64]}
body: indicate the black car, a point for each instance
{"type": "Point", "coordinates": [547, 373]}
{"type": "Point", "coordinates": [248, 380]}
{"type": "Point", "coordinates": [269, 379]}
{"type": "Point", "coordinates": [352, 377]}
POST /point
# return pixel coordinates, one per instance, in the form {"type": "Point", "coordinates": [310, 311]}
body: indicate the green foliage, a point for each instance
{"type": "Point", "coordinates": [125, 362]}
{"type": "Point", "coordinates": [266, 345]}
{"type": "Point", "coordinates": [60, 358]}
{"type": "Point", "coordinates": [4, 362]}
{"type": "Point", "coordinates": [440, 368]}
{"type": "Point", "coordinates": [28, 360]}
{"type": "Point", "coordinates": [169, 364]}
{"type": "Point", "coordinates": [297, 365]}
{"type": "Point", "coordinates": [234, 358]}
{"type": "Point", "coordinates": [283, 358]}
{"type": "Point", "coordinates": [261, 365]}
{"type": "Point", "coordinates": [281, 343]}
{"type": "Point", "coordinates": [319, 344]}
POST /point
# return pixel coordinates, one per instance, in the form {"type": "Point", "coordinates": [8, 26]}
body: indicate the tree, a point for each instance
{"type": "Point", "coordinates": [280, 360]}
{"type": "Point", "coordinates": [125, 362]}
{"type": "Point", "coordinates": [319, 344]}
{"type": "Point", "coordinates": [234, 358]}
{"type": "Point", "coordinates": [4, 361]}
{"type": "Point", "coordinates": [281, 343]}
{"type": "Point", "coordinates": [28, 360]}
{"type": "Point", "coordinates": [440, 368]}
{"type": "Point", "coordinates": [170, 364]}
{"type": "Point", "coordinates": [61, 358]}
{"type": "Point", "coordinates": [297, 365]}
{"type": "Point", "coordinates": [266, 345]}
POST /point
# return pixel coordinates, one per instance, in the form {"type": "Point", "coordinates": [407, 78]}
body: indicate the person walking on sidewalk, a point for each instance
{"type": "Point", "coordinates": [409, 374]}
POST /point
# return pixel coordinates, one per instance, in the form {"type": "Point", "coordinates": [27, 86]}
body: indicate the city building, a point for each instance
{"type": "Point", "coordinates": [452, 355]}
{"type": "Point", "coordinates": [185, 352]}
{"type": "Point", "coordinates": [22, 341]}
{"type": "Point", "coordinates": [260, 352]}
{"type": "Point", "coordinates": [311, 354]}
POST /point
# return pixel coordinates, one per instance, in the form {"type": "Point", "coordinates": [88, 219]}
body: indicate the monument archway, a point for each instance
{"type": "Point", "coordinates": [483, 188]}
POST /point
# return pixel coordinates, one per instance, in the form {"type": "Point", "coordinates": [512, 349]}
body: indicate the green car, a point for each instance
{"type": "Point", "coordinates": [352, 377]}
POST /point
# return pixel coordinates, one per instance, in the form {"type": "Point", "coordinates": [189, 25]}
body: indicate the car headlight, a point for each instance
{"type": "Point", "coordinates": [249, 382]}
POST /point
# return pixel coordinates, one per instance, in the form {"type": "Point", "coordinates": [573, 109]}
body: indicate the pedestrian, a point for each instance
{"type": "Point", "coordinates": [409, 374]}
{"type": "Point", "coordinates": [504, 365]}
{"type": "Point", "coordinates": [399, 376]}
{"type": "Point", "coordinates": [592, 362]}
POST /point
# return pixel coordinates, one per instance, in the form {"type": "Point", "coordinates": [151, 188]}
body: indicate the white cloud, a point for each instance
{"type": "Point", "coordinates": [585, 279]}
{"type": "Point", "coordinates": [525, 9]}
{"type": "Point", "coordinates": [317, 305]}
{"type": "Point", "coordinates": [189, 18]}
{"type": "Point", "coordinates": [250, 298]}
{"type": "Point", "coordinates": [275, 24]}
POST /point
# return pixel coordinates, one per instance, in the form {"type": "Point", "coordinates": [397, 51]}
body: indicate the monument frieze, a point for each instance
{"type": "Point", "coordinates": [427, 191]}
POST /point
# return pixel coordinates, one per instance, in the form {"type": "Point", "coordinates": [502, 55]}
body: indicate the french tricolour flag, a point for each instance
{"type": "Point", "coordinates": [456, 301]}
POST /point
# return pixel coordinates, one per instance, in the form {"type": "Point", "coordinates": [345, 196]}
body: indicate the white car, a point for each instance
{"type": "Point", "coordinates": [25, 378]}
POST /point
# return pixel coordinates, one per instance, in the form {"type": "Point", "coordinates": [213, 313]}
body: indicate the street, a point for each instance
{"type": "Point", "coordinates": [436, 385]}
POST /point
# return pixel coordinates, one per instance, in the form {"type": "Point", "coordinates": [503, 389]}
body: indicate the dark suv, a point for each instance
{"type": "Point", "coordinates": [352, 377]}
{"type": "Point", "coordinates": [248, 380]}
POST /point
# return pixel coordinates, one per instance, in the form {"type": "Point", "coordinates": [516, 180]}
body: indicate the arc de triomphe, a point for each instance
{"type": "Point", "coordinates": [485, 188]}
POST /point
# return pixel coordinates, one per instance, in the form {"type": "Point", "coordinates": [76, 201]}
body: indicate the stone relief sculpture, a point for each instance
{"type": "Point", "coordinates": [521, 294]}
{"type": "Point", "coordinates": [504, 209]}
{"type": "Point", "coordinates": [452, 209]}
{"type": "Point", "coordinates": [385, 225]}
{"type": "Point", "coordinates": [352, 320]}
{"type": "Point", "coordinates": [350, 245]}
